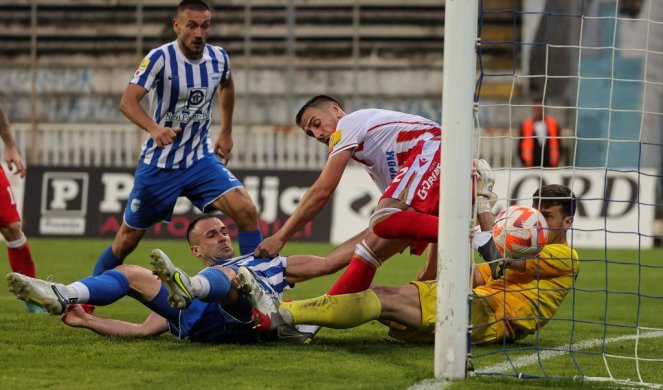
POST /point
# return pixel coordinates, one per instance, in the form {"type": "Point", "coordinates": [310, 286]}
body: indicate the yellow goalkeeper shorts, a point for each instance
{"type": "Point", "coordinates": [485, 329]}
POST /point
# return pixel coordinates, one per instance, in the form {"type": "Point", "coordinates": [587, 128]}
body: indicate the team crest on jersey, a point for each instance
{"type": "Point", "coordinates": [334, 139]}
{"type": "Point", "coordinates": [135, 205]}
{"type": "Point", "coordinates": [141, 68]}
{"type": "Point", "coordinates": [196, 97]}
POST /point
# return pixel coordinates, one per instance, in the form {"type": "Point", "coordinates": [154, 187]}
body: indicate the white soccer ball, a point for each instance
{"type": "Point", "coordinates": [520, 232]}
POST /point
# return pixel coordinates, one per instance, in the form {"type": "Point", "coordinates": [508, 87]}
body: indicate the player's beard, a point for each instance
{"type": "Point", "coordinates": [195, 47]}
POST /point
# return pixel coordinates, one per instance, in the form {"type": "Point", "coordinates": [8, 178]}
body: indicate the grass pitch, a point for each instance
{"type": "Point", "coordinates": [38, 351]}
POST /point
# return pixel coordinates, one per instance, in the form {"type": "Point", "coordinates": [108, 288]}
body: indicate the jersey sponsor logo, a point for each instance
{"type": "Point", "coordinates": [186, 116]}
{"type": "Point", "coordinates": [392, 163]}
{"type": "Point", "coordinates": [334, 139]}
{"type": "Point", "coordinates": [216, 77]}
{"type": "Point", "coordinates": [141, 68]}
{"type": "Point", "coordinates": [426, 185]}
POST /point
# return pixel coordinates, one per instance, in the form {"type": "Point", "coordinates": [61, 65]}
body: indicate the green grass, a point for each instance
{"type": "Point", "coordinates": [38, 351]}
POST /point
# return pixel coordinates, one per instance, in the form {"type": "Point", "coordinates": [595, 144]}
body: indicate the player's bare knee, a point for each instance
{"type": "Point", "coordinates": [394, 299]}
{"type": "Point", "coordinates": [132, 271]}
{"type": "Point", "coordinates": [385, 292]}
{"type": "Point", "coordinates": [12, 231]}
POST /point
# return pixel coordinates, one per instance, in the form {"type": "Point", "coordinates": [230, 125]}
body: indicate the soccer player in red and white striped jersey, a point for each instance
{"type": "Point", "coordinates": [401, 154]}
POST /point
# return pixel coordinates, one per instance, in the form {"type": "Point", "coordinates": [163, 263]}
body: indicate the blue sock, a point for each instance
{"type": "Point", "coordinates": [107, 287]}
{"type": "Point", "coordinates": [219, 284]}
{"type": "Point", "coordinates": [161, 306]}
{"type": "Point", "coordinates": [106, 261]}
{"type": "Point", "coordinates": [248, 241]}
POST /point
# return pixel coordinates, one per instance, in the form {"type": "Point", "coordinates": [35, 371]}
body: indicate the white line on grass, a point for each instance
{"type": "Point", "coordinates": [430, 384]}
{"type": "Point", "coordinates": [562, 350]}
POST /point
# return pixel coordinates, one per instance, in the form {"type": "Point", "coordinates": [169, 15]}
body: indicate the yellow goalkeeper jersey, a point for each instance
{"type": "Point", "coordinates": [529, 298]}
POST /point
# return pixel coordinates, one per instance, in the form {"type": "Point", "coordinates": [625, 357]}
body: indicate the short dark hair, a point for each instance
{"type": "Point", "coordinates": [192, 225]}
{"type": "Point", "coordinates": [316, 101]}
{"type": "Point", "coordinates": [556, 194]}
{"type": "Point", "coordinates": [194, 5]}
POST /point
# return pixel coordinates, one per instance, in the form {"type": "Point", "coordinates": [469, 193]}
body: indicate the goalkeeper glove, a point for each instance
{"type": "Point", "coordinates": [485, 180]}
{"type": "Point", "coordinates": [494, 258]}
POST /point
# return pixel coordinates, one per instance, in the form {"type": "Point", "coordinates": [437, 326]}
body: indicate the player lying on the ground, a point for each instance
{"type": "Point", "coordinates": [219, 314]}
{"type": "Point", "coordinates": [181, 294]}
{"type": "Point", "coordinates": [523, 299]}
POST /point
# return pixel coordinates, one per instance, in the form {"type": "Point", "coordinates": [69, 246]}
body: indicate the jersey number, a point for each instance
{"type": "Point", "coordinates": [399, 175]}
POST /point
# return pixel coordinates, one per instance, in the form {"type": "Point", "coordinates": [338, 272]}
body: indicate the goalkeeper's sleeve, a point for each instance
{"type": "Point", "coordinates": [494, 258]}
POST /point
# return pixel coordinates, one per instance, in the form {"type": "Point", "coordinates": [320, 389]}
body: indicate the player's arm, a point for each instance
{"type": "Point", "coordinates": [76, 317]}
{"type": "Point", "coordinates": [12, 156]}
{"type": "Point", "coordinates": [313, 201]}
{"type": "Point", "coordinates": [224, 143]}
{"type": "Point", "coordinates": [305, 267]}
{"type": "Point", "coordinates": [131, 108]}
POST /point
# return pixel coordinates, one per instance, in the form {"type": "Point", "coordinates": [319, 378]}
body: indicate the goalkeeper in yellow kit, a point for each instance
{"type": "Point", "coordinates": [509, 302]}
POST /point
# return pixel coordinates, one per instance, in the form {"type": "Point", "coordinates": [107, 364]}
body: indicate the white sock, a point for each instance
{"type": "Point", "coordinates": [76, 292]}
{"type": "Point", "coordinates": [199, 286]}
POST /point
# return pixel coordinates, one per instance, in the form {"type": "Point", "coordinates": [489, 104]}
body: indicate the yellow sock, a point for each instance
{"type": "Point", "coordinates": [335, 311]}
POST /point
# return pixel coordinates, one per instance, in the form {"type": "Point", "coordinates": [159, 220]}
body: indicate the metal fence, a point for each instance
{"type": "Point", "coordinates": [109, 145]}
{"type": "Point", "coordinates": [255, 147]}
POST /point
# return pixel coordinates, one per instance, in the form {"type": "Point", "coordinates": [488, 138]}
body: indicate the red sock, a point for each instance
{"type": "Point", "coordinates": [357, 277]}
{"type": "Point", "coordinates": [408, 225]}
{"type": "Point", "coordinates": [20, 260]}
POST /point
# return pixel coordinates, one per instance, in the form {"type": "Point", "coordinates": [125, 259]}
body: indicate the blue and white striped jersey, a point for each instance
{"type": "Point", "coordinates": [209, 322]}
{"type": "Point", "coordinates": [269, 272]}
{"type": "Point", "coordinates": [181, 95]}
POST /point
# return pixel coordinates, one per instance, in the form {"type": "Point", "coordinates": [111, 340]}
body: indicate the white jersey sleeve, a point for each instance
{"type": "Point", "coordinates": [350, 132]}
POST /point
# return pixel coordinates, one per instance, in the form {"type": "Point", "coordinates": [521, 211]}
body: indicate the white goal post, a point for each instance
{"type": "Point", "coordinates": [454, 253]}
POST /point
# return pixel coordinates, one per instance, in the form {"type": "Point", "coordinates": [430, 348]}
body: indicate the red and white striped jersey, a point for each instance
{"type": "Point", "coordinates": [381, 140]}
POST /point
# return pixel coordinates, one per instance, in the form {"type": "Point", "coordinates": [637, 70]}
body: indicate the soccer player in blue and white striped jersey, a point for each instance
{"type": "Point", "coordinates": [218, 313]}
{"type": "Point", "coordinates": [178, 158]}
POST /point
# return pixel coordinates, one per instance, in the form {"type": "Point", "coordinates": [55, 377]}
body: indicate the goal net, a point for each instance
{"type": "Point", "coordinates": [596, 67]}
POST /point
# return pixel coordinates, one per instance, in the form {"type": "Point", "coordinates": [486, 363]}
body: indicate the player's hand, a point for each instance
{"type": "Point", "coordinates": [484, 182]}
{"type": "Point", "coordinates": [74, 316]}
{"type": "Point", "coordinates": [164, 136]}
{"type": "Point", "coordinates": [15, 162]}
{"type": "Point", "coordinates": [497, 268]}
{"type": "Point", "coordinates": [269, 247]}
{"type": "Point", "coordinates": [223, 146]}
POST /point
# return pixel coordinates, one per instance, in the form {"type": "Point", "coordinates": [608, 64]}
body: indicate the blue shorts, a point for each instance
{"type": "Point", "coordinates": [156, 190]}
{"type": "Point", "coordinates": [210, 323]}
